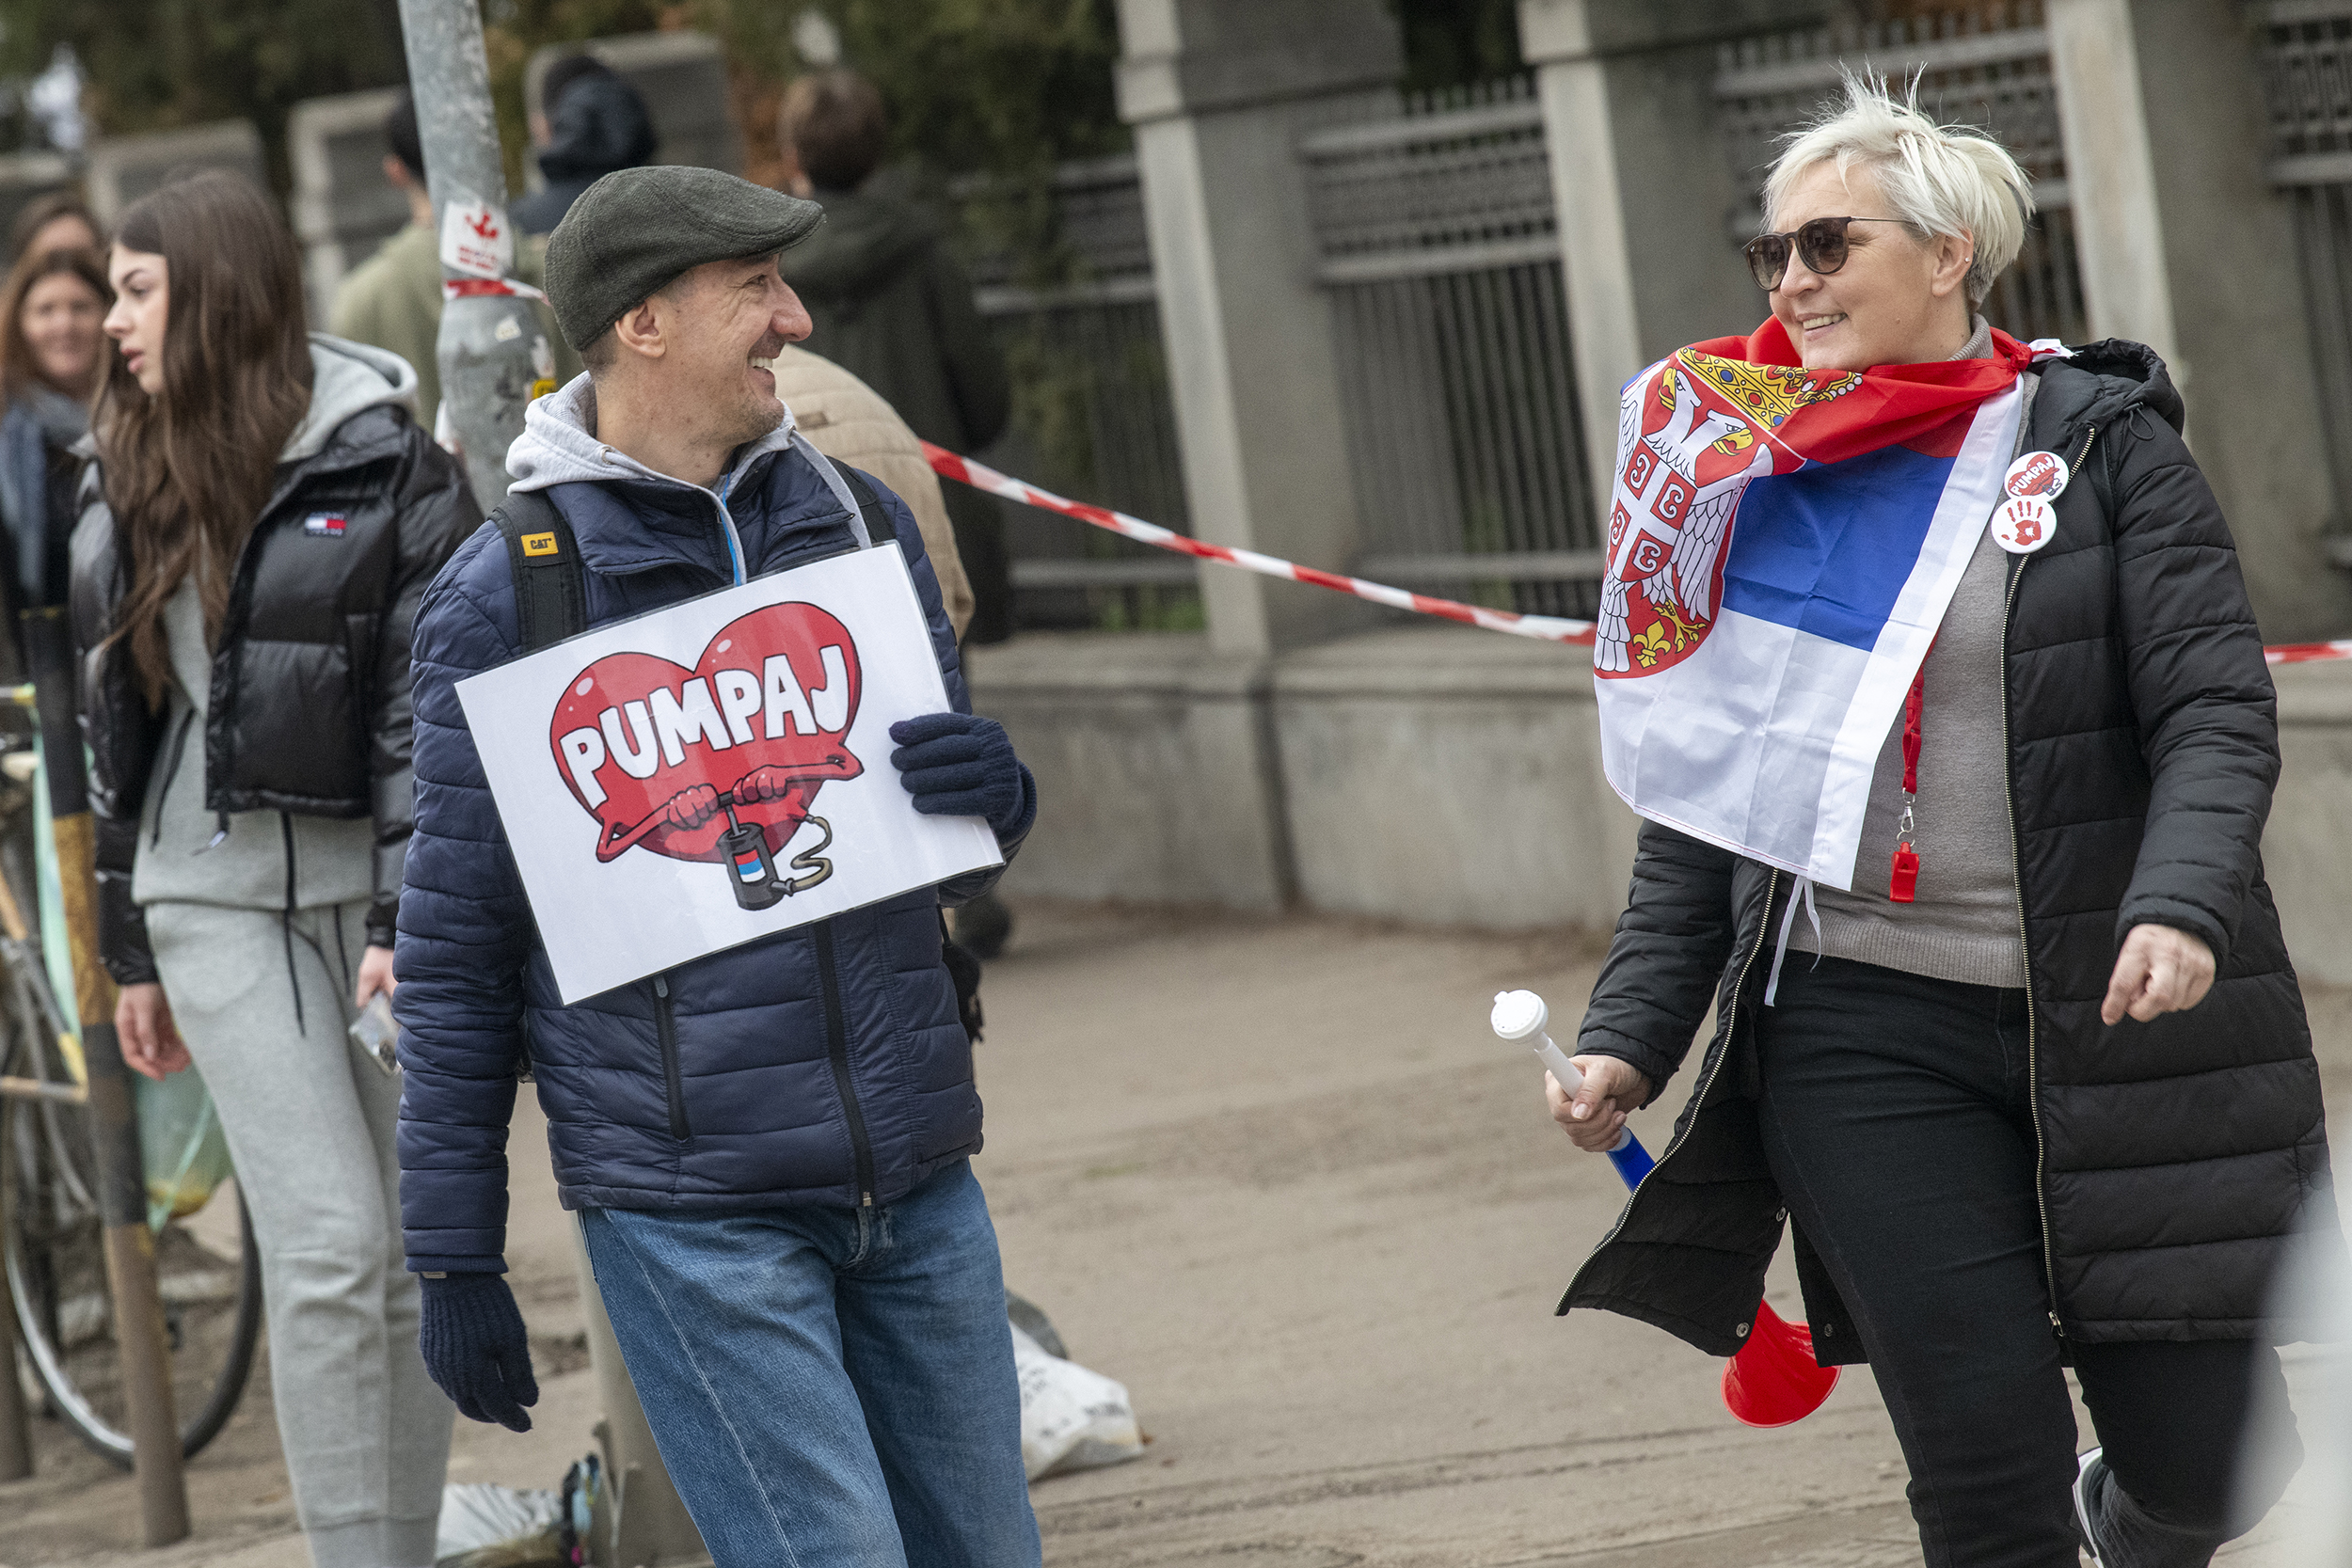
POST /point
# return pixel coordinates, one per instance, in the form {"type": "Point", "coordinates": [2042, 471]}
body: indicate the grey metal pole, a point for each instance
{"type": "Point", "coordinates": [487, 338]}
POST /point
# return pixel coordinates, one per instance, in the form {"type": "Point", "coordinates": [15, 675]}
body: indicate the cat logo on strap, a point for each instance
{"type": "Point", "coordinates": [539, 543]}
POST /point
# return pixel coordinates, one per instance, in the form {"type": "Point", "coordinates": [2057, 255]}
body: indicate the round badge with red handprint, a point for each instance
{"type": "Point", "coordinates": [2023, 524]}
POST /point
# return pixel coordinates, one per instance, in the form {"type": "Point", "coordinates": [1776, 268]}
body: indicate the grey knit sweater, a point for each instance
{"type": "Point", "coordinates": [1964, 925]}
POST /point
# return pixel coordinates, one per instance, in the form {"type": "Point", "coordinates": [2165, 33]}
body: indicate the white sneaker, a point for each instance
{"type": "Point", "coordinates": [2082, 1506]}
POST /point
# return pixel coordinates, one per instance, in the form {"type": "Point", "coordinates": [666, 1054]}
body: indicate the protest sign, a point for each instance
{"type": "Point", "coordinates": [717, 770]}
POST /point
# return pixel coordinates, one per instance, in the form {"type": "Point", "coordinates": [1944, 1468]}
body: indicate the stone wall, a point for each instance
{"type": "Point", "coordinates": [1440, 775]}
{"type": "Point", "coordinates": [343, 207]}
{"type": "Point", "coordinates": [123, 168]}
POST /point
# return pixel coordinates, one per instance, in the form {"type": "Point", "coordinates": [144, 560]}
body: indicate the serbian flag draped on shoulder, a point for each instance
{"type": "Point", "coordinates": [1782, 547]}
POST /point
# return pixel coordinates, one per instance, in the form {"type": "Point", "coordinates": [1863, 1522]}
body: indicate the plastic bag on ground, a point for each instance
{"type": "Point", "coordinates": [1071, 1418]}
{"type": "Point", "coordinates": [498, 1527]}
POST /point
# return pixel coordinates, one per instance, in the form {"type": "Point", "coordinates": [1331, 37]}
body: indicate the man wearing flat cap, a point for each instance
{"type": "Point", "coordinates": [768, 1148]}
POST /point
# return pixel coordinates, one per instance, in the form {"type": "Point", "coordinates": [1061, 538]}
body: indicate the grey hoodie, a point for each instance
{"type": "Point", "coordinates": [558, 446]}
{"type": "Point", "coordinates": [334, 860]}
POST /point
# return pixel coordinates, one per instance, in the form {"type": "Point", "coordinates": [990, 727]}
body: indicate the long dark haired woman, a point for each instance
{"type": "Point", "coordinates": [50, 352]}
{"type": "Point", "coordinates": [270, 516]}
{"type": "Point", "coordinates": [1939, 639]}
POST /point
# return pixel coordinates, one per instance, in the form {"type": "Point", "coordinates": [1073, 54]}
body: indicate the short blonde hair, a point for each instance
{"type": "Point", "coordinates": [1937, 178]}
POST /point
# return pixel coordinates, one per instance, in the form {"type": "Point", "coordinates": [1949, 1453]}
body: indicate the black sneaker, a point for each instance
{"type": "Point", "coordinates": [2084, 1468]}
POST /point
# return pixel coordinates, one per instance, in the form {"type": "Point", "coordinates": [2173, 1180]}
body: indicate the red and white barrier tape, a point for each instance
{"type": "Point", "coordinates": [471, 288]}
{"type": "Point", "coordinates": [1549, 629]}
{"type": "Point", "coordinates": [2308, 652]}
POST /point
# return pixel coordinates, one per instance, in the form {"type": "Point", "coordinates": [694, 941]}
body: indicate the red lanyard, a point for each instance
{"type": "Point", "coordinates": [1903, 886]}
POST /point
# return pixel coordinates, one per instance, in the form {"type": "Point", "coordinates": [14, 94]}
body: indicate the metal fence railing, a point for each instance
{"type": "Point", "coordinates": [1990, 69]}
{"type": "Point", "coordinates": [2307, 83]}
{"type": "Point", "coordinates": [1438, 250]}
{"type": "Point", "coordinates": [1093, 417]}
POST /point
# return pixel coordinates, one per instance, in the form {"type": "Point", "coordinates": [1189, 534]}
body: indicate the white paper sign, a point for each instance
{"type": "Point", "coordinates": [476, 239]}
{"type": "Point", "coordinates": [717, 770]}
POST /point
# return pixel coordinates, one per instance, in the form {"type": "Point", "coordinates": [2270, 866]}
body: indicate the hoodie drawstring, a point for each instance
{"type": "Point", "coordinates": [285, 925]}
{"type": "Point", "coordinates": [1804, 890]}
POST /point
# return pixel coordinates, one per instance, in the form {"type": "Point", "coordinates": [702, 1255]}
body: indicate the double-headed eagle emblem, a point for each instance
{"type": "Point", "coordinates": [1684, 458]}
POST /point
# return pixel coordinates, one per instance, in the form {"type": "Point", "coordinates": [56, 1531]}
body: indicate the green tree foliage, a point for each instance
{"type": "Point", "coordinates": [159, 63]}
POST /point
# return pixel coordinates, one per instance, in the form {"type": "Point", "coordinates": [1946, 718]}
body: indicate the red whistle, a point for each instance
{"type": "Point", "coordinates": [1904, 884]}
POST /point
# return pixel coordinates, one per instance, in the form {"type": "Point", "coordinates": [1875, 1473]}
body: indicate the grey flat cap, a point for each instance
{"type": "Point", "coordinates": [636, 229]}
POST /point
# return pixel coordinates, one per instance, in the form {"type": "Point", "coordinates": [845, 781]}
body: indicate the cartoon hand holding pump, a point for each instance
{"type": "Point", "coordinates": [756, 879]}
{"type": "Point", "coordinates": [646, 746]}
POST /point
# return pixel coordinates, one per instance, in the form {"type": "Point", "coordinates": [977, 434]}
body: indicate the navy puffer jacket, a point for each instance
{"type": "Point", "coordinates": [818, 1066]}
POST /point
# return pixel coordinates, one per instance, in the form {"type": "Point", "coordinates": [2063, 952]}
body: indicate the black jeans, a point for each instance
{"type": "Point", "coordinates": [1898, 1123]}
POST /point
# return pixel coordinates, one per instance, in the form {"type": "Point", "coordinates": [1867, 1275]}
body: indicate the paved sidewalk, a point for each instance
{"type": "Point", "coordinates": [1276, 1176]}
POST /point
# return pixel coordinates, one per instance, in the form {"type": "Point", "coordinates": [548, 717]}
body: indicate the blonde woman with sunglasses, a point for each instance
{"type": "Point", "coordinates": [2009, 1038]}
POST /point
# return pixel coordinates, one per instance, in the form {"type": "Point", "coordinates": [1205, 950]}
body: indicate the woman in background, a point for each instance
{"type": "Point", "coordinates": [49, 352]}
{"type": "Point", "coordinates": [268, 516]}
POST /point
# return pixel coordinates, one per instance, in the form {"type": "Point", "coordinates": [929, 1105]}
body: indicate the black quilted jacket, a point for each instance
{"type": "Point", "coordinates": [309, 709]}
{"type": "Point", "coordinates": [2179, 1156]}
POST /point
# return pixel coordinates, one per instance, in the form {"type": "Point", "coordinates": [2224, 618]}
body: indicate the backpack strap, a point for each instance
{"type": "Point", "coordinates": [551, 585]}
{"type": "Point", "coordinates": [879, 524]}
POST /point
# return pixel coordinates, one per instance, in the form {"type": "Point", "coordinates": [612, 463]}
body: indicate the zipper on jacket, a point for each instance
{"type": "Point", "coordinates": [838, 1047]}
{"type": "Point", "coordinates": [2024, 944]}
{"type": "Point", "coordinates": [736, 564]}
{"type": "Point", "coordinates": [1682, 1134]}
{"type": "Point", "coordinates": [673, 1082]}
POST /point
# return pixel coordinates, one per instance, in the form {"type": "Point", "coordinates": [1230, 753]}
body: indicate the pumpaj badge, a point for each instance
{"type": "Point", "coordinates": [2037, 473]}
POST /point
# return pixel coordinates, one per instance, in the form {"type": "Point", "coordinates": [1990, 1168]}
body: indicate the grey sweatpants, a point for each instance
{"type": "Point", "coordinates": [311, 1123]}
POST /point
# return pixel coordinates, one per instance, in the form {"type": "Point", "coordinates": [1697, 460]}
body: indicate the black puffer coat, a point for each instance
{"type": "Point", "coordinates": [309, 709]}
{"type": "Point", "coordinates": [2178, 1156]}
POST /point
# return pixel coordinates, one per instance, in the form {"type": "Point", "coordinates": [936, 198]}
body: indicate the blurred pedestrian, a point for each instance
{"type": "Point", "coordinates": [590, 123]}
{"type": "Point", "coordinates": [56, 221]}
{"type": "Point", "coordinates": [266, 516]}
{"type": "Point", "coordinates": [392, 300]}
{"type": "Point", "coordinates": [889, 303]}
{"type": "Point", "coordinates": [768, 1148]}
{"type": "Point", "coordinates": [2046, 1095]}
{"type": "Point", "coordinates": [848, 422]}
{"type": "Point", "coordinates": [51, 350]}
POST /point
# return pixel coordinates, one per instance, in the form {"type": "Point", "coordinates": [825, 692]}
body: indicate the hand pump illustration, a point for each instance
{"type": "Point", "coordinates": [639, 741]}
{"type": "Point", "coordinates": [1773, 1381]}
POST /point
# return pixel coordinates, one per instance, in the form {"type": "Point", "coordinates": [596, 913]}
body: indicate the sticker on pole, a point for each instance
{"type": "Point", "coordinates": [476, 239]}
{"type": "Point", "coordinates": [719, 771]}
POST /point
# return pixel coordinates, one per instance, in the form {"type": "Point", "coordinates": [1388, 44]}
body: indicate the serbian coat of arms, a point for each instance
{"type": "Point", "coordinates": [1691, 432]}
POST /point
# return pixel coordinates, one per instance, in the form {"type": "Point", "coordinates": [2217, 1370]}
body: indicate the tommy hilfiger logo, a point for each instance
{"type": "Point", "coordinates": [324, 525]}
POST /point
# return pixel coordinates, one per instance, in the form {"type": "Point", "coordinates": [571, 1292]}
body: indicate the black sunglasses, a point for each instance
{"type": "Point", "coordinates": [1820, 244]}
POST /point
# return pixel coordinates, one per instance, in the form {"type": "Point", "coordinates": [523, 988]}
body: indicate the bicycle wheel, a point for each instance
{"type": "Point", "coordinates": [210, 1274]}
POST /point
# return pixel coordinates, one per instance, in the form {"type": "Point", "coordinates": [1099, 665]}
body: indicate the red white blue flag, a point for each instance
{"type": "Point", "coordinates": [1782, 546]}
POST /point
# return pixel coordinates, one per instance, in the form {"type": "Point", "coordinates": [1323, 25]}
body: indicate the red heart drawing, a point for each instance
{"type": "Point", "coordinates": [764, 712]}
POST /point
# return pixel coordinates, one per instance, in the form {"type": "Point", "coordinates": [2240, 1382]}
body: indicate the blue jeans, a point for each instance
{"type": "Point", "coordinates": [829, 1388]}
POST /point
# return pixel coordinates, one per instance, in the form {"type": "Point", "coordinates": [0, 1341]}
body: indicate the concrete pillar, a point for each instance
{"type": "Point", "coordinates": [2186, 247]}
{"type": "Point", "coordinates": [1642, 183]}
{"type": "Point", "coordinates": [27, 176]}
{"type": "Point", "coordinates": [1218, 92]}
{"type": "Point", "coordinates": [343, 207]}
{"type": "Point", "coordinates": [123, 168]}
